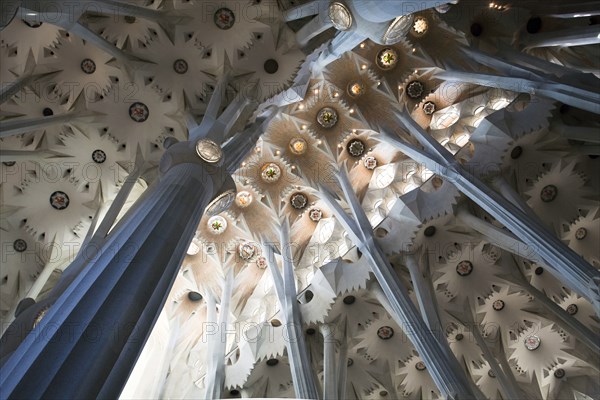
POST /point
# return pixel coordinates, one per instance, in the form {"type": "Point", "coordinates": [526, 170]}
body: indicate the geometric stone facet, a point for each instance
{"type": "Point", "coordinates": [193, 249]}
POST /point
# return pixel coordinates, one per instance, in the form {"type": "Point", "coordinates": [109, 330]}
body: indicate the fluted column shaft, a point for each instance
{"type": "Point", "coordinates": [95, 331]}
{"type": "Point", "coordinates": [330, 384]}
{"type": "Point", "coordinates": [443, 366]}
{"type": "Point", "coordinates": [305, 386]}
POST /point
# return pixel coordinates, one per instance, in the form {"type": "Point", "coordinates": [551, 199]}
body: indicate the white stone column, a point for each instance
{"type": "Point", "coordinates": [330, 383]}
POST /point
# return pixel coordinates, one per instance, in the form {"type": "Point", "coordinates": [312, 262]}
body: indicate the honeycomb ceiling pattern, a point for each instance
{"type": "Point", "coordinates": [86, 110]}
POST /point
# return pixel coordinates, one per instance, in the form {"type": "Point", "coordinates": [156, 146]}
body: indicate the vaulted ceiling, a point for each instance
{"type": "Point", "coordinates": [83, 111]}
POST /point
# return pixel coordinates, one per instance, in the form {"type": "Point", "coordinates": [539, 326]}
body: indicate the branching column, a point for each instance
{"type": "Point", "coordinates": [96, 329]}
{"type": "Point", "coordinates": [305, 385]}
{"type": "Point", "coordinates": [562, 261]}
{"type": "Point", "coordinates": [445, 370]}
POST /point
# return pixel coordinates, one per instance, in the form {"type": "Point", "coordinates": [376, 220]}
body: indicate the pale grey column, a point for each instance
{"type": "Point", "coordinates": [567, 321]}
{"type": "Point", "coordinates": [35, 289]}
{"type": "Point", "coordinates": [237, 148]}
{"type": "Point", "coordinates": [518, 64]}
{"type": "Point", "coordinates": [305, 386]}
{"type": "Point", "coordinates": [215, 377]}
{"type": "Point", "coordinates": [342, 364]}
{"type": "Point", "coordinates": [14, 126]}
{"type": "Point", "coordinates": [95, 298]}
{"type": "Point", "coordinates": [575, 36]}
{"type": "Point", "coordinates": [95, 238]}
{"type": "Point", "coordinates": [26, 155]}
{"type": "Point", "coordinates": [319, 24]}
{"type": "Point", "coordinates": [241, 106]}
{"type": "Point", "coordinates": [212, 110]}
{"type": "Point", "coordinates": [442, 365]}
{"type": "Point", "coordinates": [330, 384]}
{"type": "Point", "coordinates": [499, 236]}
{"type": "Point", "coordinates": [343, 42]}
{"type": "Point", "coordinates": [508, 384]}
{"type": "Point", "coordinates": [425, 294]}
{"type": "Point", "coordinates": [563, 262]}
{"type": "Point", "coordinates": [585, 99]}
{"type": "Point", "coordinates": [582, 133]}
{"type": "Point", "coordinates": [510, 194]}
